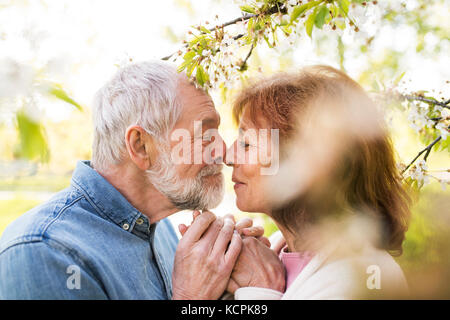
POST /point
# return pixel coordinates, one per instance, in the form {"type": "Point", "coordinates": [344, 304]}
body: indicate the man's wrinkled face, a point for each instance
{"type": "Point", "coordinates": [189, 168]}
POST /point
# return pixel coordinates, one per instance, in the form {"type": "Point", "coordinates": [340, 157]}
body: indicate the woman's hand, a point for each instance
{"type": "Point", "coordinates": [244, 227]}
{"type": "Point", "coordinates": [257, 266]}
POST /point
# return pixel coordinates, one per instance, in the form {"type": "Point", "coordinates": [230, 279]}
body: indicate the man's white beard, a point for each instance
{"type": "Point", "coordinates": [187, 193]}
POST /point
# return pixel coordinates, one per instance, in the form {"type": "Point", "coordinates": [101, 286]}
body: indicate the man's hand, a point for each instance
{"type": "Point", "coordinates": [257, 266]}
{"type": "Point", "coordinates": [244, 227]}
{"type": "Point", "coordinates": [205, 258]}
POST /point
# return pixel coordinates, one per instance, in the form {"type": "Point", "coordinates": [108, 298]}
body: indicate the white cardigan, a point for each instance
{"type": "Point", "coordinates": [338, 274]}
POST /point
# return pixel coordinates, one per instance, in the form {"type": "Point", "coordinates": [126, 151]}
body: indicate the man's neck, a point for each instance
{"type": "Point", "coordinates": [136, 188]}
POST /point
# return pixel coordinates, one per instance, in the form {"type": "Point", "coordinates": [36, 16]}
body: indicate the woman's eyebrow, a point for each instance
{"type": "Point", "coordinates": [242, 127]}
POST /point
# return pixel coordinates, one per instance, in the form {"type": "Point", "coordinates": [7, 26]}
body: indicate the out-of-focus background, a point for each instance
{"type": "Point", "coordinates": [75, 46]}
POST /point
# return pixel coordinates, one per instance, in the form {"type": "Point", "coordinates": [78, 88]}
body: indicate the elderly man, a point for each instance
{"type": "Point", "coordinates": [106, 236]}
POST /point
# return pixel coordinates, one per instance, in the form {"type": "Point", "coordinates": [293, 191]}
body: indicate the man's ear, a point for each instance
{"type": "Point", "coordinates": [140, 147]}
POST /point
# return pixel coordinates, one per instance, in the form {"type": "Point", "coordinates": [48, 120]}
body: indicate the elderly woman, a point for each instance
{"type": "Point", "coordinates": [337, 197]}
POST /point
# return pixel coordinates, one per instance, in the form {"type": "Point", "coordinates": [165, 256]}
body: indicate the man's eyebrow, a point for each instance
{"type": "Point", "coordinates": [211, 121]}
{"type": "Point", "coordinates": [207, 122]}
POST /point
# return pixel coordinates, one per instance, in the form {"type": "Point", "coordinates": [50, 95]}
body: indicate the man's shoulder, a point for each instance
{"type": "Point", "coordinates": [33, 225]}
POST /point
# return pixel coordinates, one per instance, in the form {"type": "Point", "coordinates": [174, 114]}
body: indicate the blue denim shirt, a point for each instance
{"type": "Point", "coordinates": [87, 242]}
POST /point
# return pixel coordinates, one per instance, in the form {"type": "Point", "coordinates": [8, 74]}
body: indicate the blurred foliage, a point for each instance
{"type": "Point", "coordinates": [11, 209]}
{"type": "Point", "coordinates": [33, 143]}
{"type": "Point", "coordinates": [41, 182]}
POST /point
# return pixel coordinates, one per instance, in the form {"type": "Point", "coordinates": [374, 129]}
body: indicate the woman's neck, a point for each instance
{"type": "Point", "coordinates": [295, 241]}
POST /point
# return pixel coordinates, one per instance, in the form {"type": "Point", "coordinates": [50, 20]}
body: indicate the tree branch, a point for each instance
{"type": "Point", "coordinates": [427, 150]}
{"type": "Point", "coordinates": [276, 8]}
{"type": "Point", "coordinates": [443, 104]}
{"type": "Point", "coordinates": [244, 63]}
{"type": "Point", "coordinates": [234, 21]}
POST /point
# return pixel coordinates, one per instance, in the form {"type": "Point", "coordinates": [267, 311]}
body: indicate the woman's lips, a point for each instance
{"type": "Point", "coordinates": [238, 185]}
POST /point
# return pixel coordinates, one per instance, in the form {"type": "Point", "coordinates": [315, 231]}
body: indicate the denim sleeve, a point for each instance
{"type": "Point", "coordinates": [36, 270]}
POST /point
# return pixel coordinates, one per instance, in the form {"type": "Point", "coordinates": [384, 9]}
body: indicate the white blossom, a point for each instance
{"type": "Point", "coordinates": [15, 78]}
{"type": "Point", "coordinates": [443, 129]}
{"type": "Point", "coordinates": [419, 172]}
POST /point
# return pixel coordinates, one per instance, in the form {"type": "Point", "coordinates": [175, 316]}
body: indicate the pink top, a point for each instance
{"type": "Point", "coordinates": [294, 262]}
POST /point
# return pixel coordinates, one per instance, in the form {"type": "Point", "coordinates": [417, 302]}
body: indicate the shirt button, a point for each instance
{"type": "Point", "coordinates": [139, 221]}
{"type": "Point", "coordinates": [126, 226]}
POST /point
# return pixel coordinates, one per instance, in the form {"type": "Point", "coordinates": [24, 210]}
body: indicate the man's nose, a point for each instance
{"type": "Point", "coordinates": [220, 153]}
{"type": "Point", "coordinates": [229, 155]}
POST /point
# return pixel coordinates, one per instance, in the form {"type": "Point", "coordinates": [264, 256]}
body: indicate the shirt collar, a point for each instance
{"type": "Point", "coordinates": [107, 200]}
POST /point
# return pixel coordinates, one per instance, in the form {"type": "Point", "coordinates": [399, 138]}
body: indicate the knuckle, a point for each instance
{"type": "Point", "coordinates": [250, 241]}
{"type": "Point", "coordinates": [227, 229]}
{"type": "Point", "coordinates": [245, 223]}
{"type": "Point", "coordinates": [198, 251]}
{"type": "Point", "coordinates": [211, 263]}
{"type": "Point", "coordinates": [207, 217]}
{"type": "Point", "coordinates": [216, 225]}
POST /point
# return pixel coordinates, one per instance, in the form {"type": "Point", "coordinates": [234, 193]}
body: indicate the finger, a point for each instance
{"type": "Point", "coordinates": [198, 227]}
{"type": "Point", "coordinates": [195, 214]}
{"type": "Point", "coordinates": [230, 216]}
{"type": "Point", "coordinates": [209, 237]}
{"type": "Point", "coordinates": [256, 231]}
{"type": "Point", "coordinates": [223, 238]}
{"type": "Point", "coordinates": [244, 223]}
{"type": "Point", "coordinates": [234, 249]}
{"type": "Point", "coordinates": [182, 228]}
{"type": "Point", "coordinates": [265, 241]}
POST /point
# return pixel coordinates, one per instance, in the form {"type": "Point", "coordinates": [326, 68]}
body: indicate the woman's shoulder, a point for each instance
{"type": "Point", "coordinates": [371, 273]}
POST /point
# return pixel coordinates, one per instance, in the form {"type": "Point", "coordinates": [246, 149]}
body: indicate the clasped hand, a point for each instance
{"type": "Point", "coordinates": [216, 254]}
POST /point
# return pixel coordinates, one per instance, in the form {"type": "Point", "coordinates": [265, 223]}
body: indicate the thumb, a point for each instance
{"type": "Point", "coordinates": [182, 228]}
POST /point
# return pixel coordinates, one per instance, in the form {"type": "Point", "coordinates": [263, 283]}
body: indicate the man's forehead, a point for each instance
{"type": "Point", "coordinates": [188, 90]}
{"type": "Point", "coordinates": [197, 104]}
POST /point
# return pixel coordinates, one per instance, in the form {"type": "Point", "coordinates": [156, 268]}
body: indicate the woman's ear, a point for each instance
{"type": "Point", "coordinates": [140, 146]}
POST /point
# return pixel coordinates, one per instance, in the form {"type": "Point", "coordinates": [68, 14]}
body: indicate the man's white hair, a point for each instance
{"type": "Point", "coordinates": [143, 94]}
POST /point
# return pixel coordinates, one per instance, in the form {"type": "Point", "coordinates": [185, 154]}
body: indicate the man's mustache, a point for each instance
{"type": "Point", "coordinates": [210, 170]}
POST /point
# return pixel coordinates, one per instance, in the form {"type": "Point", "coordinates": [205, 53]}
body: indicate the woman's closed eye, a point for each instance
{"type": "Point", "coordinates": [244, 144]}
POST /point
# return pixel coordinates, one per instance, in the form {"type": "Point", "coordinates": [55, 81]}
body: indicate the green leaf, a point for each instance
{"type": "Point", "coordinates": [204, 29]}
{"type": "Point", "coordinates": [343, 5]}
{"type": "Point", "coordinates": [248, 9]}
{"type": "Point", "coordinates": [201, 76]}
{"type": "Point", "coordinates": [57, 91]}
{"type": "Point", "coordinates": [299, 10]}
{"type": "Point", "coordinates": [33, 144]}
{"type": "Point", "coordinates": [190, 68]}
{"type": "Point", "coordinates": [321, 15]}
{"type": "Point", "coordinates": [268, 42]}
{"type": "Point", "coordinates": [340, 23]}
{"type": "Point", "coordinates": [397, 80]}
{"type": "Point", "coordinates": [250, 25]}
{"type": "Point", "coordinates": [188, 56]}
{"type": "Point", "coordinates": [309, 24]}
